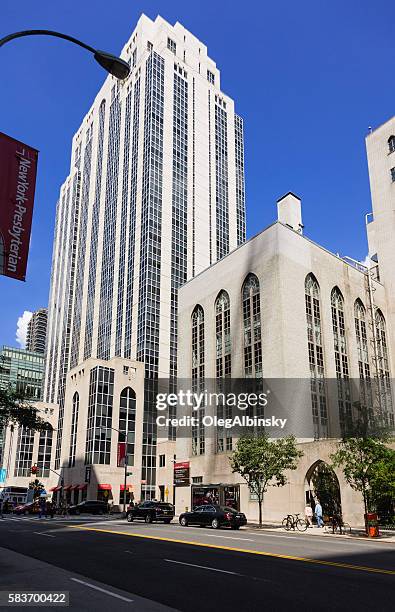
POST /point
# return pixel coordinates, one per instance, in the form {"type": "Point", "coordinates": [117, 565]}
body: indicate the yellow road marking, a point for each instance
{"type": "Point", "coordinates": [262, 553]}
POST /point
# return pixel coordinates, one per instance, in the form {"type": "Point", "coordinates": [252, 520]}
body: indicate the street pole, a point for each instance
{"type": "Point", "coordinates": [113, 64]}
{"type": "Point", "coordinates": [126, 473]}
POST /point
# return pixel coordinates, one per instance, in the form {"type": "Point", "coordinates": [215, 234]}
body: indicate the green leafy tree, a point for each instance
{"type": "Point", "coordinates": [360, 458]}
{"type": "Point", "coordinates": [37, 487]}
{"type": "Point", "coordinates": [262, 463]}
{"type": "Point", "coordinates": [382, 481]}
{"type": "Point", "coordinates": [16, 409]}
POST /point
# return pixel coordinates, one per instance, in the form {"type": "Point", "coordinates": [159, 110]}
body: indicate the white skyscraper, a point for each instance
{"type": "Point", "coordinates": [154, 196]}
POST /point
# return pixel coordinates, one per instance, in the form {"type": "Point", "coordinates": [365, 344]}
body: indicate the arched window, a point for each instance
{"type": "Point", "coordinates": [362, 339]}
{"type": "Point", "coordinates": [391, 144]}
{"type": "Point", "coordinates": [127, 422]}
{"type": "Point", "coordinates": [222, 333]}
{"type": "Point", "coordinates": [316, 356]}
{"type": "Point", "coordinates": [74, 425]}
{"type": "Point", "coordinates": [365, 390]}
{"type": "Point", "coordinates": [198, 434]}
{"type": "Point", "coordinates": [383, 370]}
{"type": "Point", "coordinates": [197, 343]}
{"type": "Point", "coordinates": [252, 328]}
{"type": "Point", "coordinates": [341, 358]}
{"type": "Point", "coordinates": [223, 364]}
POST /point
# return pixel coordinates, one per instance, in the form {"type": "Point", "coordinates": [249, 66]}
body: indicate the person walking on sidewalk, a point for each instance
{"type": "Point", "coordinates": [318, 514]}
{"type": "Point", "coordinates": [308, 513]}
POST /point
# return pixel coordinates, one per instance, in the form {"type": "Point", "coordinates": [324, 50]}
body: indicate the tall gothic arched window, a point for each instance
{"type": "Point", "coordinates": [127, 423]}
{"type": "Point", "coordinates": [252, 328]}
{"type": "Point", "coordinates": [74, 426]}
{"type": "Point", "coordinates": [383, 369]}
{"type": "Point", "coordinates": [316, 357]}
{"type": "Point", "coordinates": [361, 333]}
{"type": "Point", "coordinates": [222, 334]}
{"type": "Point", "coordinates": [223, 364]}
{"type": "Point", "coordinates": [198, 434]}
{"type": "Point", "coordinates": [341, 359]}
{"type": "Point", "coordinates": [391, 144]}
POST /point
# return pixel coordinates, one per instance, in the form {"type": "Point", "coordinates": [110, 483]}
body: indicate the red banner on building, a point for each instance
{"type": "Point", "coordinates": [18, 168]}
{"type": "Point", "coordinates": [121, 454]}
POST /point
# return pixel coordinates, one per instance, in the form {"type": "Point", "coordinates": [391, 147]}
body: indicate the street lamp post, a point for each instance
{"type": "Point", "coordinates": [113, 64]}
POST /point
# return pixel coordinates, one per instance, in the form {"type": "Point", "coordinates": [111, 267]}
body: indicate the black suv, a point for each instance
{"type": "Point", "coordinates": [90, 507]}
{"type": "Point", "coordinates": [216, 516]}
{"type": "Point", "coordinates": [150, 511]}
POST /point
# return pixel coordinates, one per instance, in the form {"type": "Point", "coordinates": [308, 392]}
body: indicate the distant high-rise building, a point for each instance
{"type": "Point", "coordinates": [154, 196]}
{"type": "Point", "coordinates": [37, 331]}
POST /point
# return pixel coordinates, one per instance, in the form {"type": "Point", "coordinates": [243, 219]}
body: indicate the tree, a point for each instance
{"type": "Point", "coordinates": [359, 459]}
{"type": "Point", "coordinates": [37, 487]}
{"type": "Point", "coordinates": [382, 482]}
{"type": "Point", "coordinates": [262, 463]}
{"type": "Point", "coordinates": [15, 408]}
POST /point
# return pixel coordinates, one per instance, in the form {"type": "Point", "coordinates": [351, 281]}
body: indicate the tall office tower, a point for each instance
{"type": "Point", "coordinates": [155, 195]}
{"type": "Point", "coordinates": [37, 331]}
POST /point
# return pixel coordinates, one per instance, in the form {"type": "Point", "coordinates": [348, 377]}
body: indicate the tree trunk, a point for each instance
{"type": "Point", "coordinates": [260, 502]}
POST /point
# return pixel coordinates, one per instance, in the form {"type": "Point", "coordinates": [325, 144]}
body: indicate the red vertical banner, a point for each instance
{"type": "Point", "coordinates": [121, 454]}
{"type": "Point", "coordinates": [18, 169]}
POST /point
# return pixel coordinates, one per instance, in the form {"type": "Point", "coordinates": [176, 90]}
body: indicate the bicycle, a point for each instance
{"type": "Point", "coordinates": [294, 522]}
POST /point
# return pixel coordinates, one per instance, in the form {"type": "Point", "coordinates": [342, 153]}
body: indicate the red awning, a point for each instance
{"type": "Point", "coordinates": [83, 487]}
{"type": "Point", "coordinates": [67, 488]}
{"type": "Point", "coordinates": [53, 489]}
{"type": "Point", "coordinates": [74, 487]}
{"type": "Point", "coordinates": [104, 487]}
{"type": "Point", "coordinates": [128, 486]}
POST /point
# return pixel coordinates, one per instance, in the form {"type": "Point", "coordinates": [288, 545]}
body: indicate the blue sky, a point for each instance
{"type": "Point", "coordinates": [308, 77]}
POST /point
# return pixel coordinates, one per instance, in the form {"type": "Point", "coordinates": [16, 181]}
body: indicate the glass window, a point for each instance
{"type": "Point", "coordinates": [316, 356]}
{"type": "Point", "coordinates": [391, 144]}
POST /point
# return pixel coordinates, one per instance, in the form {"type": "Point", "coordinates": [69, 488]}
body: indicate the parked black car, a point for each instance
{"type": "Point", "coordinates": [150, 511]}
{"type": "Point", "coordinates": [216, 516]}
{"type": "Point", "coordinates": [90, 507]}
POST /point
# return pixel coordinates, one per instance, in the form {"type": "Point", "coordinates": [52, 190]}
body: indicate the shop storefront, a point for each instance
{"type": "Point", "coordinates": [218, 494]}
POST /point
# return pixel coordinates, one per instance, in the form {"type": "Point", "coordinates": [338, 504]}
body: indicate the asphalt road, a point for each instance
{"type": "Point", "coordinates": [212, 570]}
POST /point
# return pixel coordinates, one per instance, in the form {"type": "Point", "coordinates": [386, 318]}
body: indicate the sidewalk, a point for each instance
{"type": "Point", "coordinates": [356, 532]}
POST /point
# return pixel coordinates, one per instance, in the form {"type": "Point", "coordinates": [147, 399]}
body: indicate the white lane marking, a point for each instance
{"type": "Point", "coordinates": [44, 534]}
{"type": "Point", "coordinates": [97, 588]}
{"type": "Point", "coordinates": [211, 569]}
{"type": "Point", "coordinates": [129, 552]}
{"type": "Point", "coordinates": [212, 535]}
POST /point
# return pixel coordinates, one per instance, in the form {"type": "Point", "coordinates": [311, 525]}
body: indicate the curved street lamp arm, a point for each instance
{"type": "Point", "coordinates": [7, 39]}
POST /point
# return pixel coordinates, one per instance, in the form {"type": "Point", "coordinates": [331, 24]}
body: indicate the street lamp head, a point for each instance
{"type": "Point", "coordinates": [114, 65]}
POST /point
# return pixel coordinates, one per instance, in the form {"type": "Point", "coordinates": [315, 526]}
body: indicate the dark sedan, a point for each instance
{"type": "Point", "coordinates": [90, 507]}
{"type": "Point", "coordinates": [150, 511]}
{"type": "Point", "coordinates": [216, 516]}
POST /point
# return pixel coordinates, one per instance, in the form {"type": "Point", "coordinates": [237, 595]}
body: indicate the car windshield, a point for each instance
{"type": "Point", "coordinates": [227, 509]}
{"type": "Point", "coordinates": [166, 506]}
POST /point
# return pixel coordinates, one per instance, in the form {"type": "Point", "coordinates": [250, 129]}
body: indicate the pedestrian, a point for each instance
{"type": "Point", "coordinates": [42, 506]}
{"type": "Point", "coordinates": [1, 507]}
{"type": "Point", "coordinates": [318, 514]}
{"type": "Point", "coordinates": [49, 509]}
{"type": "Point", "coordinates": [308, 513]}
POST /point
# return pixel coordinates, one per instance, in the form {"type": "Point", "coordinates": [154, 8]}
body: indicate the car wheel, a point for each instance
{"type": "Point", "coordinates": [183, 521]}
{"type": "Point", "coordinates": [215, 523]}
{"type": "Point", "coordinates": [148, 518]}
{"type": "Point", "coordinates": [129, 518]}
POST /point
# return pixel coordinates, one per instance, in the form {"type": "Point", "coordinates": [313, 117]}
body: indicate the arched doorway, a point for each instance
{"type": "Point", "coordinates": [323, 484]}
